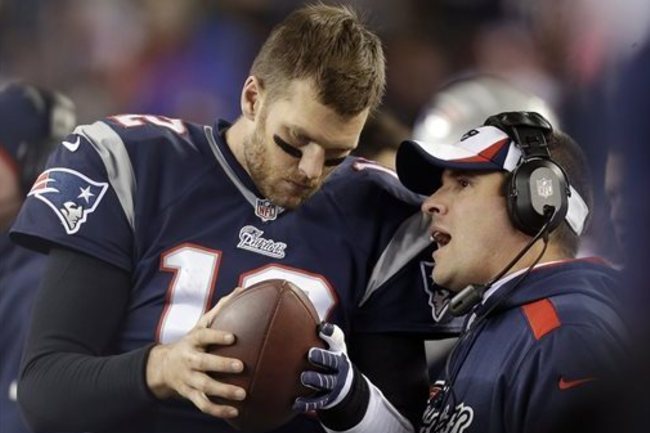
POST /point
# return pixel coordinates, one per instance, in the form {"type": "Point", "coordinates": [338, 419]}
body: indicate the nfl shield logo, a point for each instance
{"type": "Point", "coordinates": [266, 210]}
{"type": "Point", "coordinates": [544, 187]}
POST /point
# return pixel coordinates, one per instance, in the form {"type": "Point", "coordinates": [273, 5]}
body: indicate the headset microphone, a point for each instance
{"type": "Point", "coordinates": [465, 300]}
{"type": "Point", "coordinates": [472, 295]}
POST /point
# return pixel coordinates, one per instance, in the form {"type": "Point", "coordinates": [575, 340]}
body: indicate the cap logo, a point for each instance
{"type": "Point", "coordinates": [468, 134]}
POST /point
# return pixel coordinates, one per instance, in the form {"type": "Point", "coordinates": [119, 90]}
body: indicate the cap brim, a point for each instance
{"type": "Point", "coordinates": [419, 165]}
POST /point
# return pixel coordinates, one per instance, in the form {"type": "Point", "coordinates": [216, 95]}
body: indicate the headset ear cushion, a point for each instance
{"type": "Point", "coordinates": [535, 185]}
{"type": "Point", "coordinates": [514, 199]}
{"type": "Point", "coordinates": [507, 185]}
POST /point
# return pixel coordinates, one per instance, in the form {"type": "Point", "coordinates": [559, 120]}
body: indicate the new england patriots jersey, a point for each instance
{"type": "Point", "coordinates": [20, 271]}
{"type": "Point", "coordinates": [167, 201]}
{"type": "Point", "coordinates": [533, 362]}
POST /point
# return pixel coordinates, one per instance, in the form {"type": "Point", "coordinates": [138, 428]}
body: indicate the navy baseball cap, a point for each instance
{"type": "Point", "coordinates": [486, 148]}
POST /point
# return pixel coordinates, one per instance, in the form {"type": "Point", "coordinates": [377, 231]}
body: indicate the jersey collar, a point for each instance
{"type": "Point", "coordinates": [236, 173]}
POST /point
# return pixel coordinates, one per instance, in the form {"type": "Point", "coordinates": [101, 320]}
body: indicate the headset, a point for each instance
{"type": "Point", "coordinates": [59, 113]}
{"type": "Point", "coordinates": [537, 182]}
{"type": "Point", "coordinates": [536, 196]}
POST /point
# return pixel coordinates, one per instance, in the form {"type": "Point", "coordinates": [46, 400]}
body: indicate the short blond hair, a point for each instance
{"type": "Point", "coordinates": [331, 46]}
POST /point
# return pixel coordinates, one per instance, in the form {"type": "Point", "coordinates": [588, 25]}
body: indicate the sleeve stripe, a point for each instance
{"type": "Point", "coordinates": [112, 151]}
{"type": "Point", "coordinates": [221, 159]}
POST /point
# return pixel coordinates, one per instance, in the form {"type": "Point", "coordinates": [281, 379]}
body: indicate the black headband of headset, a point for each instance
{"type": "Point", "coordinates": [528, 129]}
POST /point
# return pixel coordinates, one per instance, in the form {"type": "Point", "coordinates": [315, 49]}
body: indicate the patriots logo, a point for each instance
{"type": "Point", "coordinates": [438, 297]}
{"type": "Point", "coordinates": [71, 195]}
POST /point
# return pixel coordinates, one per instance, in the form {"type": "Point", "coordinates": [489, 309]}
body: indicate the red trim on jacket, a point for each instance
{"type": "Point", "coordinates": [542, 317]}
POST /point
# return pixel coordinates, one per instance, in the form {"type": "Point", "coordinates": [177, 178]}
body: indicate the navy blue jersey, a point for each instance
{"type": "Point", "coordinates": [20, 271]}
{"type": "Point", "coordinates": [536, 359]}
{"type": "Point", "coordinates": [167, 201]}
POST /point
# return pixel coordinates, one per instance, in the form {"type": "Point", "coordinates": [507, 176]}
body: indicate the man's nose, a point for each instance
{"type": "Point", "coordinates": [312, 162]}
{"type": "Point", "coordinates": [434, 204]}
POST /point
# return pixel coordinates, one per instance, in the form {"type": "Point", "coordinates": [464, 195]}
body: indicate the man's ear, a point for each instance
{"type": "Point", "coordinates": [251, 97]}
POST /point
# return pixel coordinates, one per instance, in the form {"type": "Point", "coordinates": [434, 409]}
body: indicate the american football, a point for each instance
{"type": "Point", "coordinates": [275, 324]}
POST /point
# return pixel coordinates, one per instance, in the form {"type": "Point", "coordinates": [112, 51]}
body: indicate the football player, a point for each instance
{"type": "Point", "coordinates": [150, 220]}
{"type": "Point", "coordinates": [32, 121]}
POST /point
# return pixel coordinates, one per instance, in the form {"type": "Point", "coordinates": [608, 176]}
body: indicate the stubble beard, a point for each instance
{"type": "Point", "coordinates": [265, 177]}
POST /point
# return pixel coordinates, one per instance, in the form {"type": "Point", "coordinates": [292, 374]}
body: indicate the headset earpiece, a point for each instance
{"type": "Point", "coordinates": [535, 185]}
{"type": "Point", "coordinates": [538, 182]}
{"type": "Point", "coordinates": [59, 112]}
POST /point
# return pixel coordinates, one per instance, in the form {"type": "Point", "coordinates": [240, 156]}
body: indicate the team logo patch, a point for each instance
{"type": "Point", "coordinates": [250, 238]}
{"type": "Point", "coordinates": [438, 297]}
{"type": "Point", "coordinates": [71, 195]}
{"type": "Point", "coordinates": [266, 210]}
{"type": "Point", "coordinates": [447, 421]}
{"type": "Point", "coordinates": [438, 420]}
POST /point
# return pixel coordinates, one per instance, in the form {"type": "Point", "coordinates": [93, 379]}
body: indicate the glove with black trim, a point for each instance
{"type": "Point", "coordinates": [345, 400]}
{"type": "Point", "coordinates": [335, 379]}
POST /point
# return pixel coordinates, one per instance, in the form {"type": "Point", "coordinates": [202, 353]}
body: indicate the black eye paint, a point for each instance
{"type": "Point", "coordinates": [289, 149]}
{"type": "Point", "coordinates": [297, 153]}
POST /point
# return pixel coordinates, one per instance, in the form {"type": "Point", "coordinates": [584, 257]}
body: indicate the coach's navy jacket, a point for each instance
{"type": "Point", "coordinates": [538, 356]}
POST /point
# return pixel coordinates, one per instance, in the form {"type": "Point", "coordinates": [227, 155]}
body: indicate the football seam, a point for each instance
{"type": "Point", "coordinates": [263, 348]}
{"type": "Point", "coordinates": [305, 302]}
{"type": "Point", "coordinates": [311, 308]}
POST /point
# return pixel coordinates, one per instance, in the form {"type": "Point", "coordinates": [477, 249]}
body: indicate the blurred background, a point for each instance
{"type": "Point", "coordinates": [190, 58]}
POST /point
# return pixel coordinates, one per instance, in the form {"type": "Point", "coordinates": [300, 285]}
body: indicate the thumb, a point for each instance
{"type": "Point", "coordinates": [208, 317]}
{"type": "Point", "coordinates": [333, 336]}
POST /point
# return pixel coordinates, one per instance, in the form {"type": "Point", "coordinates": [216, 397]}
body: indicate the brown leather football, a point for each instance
{"type": "Point", "coordinates": [275, 324]}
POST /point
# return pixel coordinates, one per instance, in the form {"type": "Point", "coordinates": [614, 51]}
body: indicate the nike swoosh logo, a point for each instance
{"type": "Point", "coordinates": [568, 384]}
{"type": "Point", "coordinates": [72, 147]}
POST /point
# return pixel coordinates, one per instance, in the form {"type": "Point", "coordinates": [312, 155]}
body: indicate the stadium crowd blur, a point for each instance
{"type": "Point", "coordinates": [189, 58]}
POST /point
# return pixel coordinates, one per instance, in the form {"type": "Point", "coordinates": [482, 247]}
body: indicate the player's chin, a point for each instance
{"type": "Point", "coordinates": [293, 201]}
{"type": "Point", "coordinates": [443, 279]}
{"type": "Point", "coordinates": [437, 276]}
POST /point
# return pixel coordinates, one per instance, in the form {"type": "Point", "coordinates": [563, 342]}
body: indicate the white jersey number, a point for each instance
{"type": "Point", "coordinates": [131, 120]}
{"type": "Point", "coordinates": [315, 286]}
{"type": "Point", "coordinates": [195, 271]}
{"type": "Point", "coordinates": [189, 294]}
